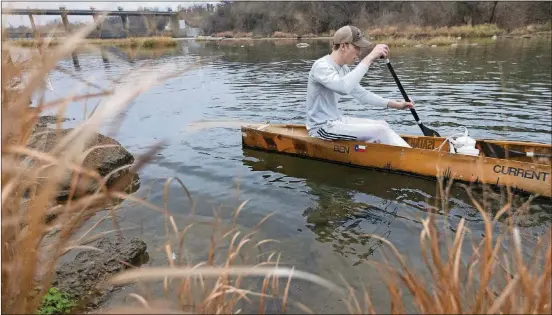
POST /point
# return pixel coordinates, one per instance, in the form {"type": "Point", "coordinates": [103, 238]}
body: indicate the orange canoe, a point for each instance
{"type": "Point", "coordinates": [429, 157]}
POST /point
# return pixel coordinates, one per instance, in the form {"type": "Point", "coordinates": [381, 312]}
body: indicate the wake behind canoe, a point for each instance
{"type": "Point", "coordinates": [429, 157]}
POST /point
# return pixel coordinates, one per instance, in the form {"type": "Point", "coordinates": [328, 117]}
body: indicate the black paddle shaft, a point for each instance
{"type": "Point", "coordinates": [489, 149]}
{"type": "Point", "coordinates": [425, 130]}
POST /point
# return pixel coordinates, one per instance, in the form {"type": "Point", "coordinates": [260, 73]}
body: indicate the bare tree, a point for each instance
{"type": "Point", "coordinates": [319, 17]}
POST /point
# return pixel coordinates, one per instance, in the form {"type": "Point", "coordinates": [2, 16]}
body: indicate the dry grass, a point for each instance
{"type": "Point", "coordinates": [276, 34]}
{"type": "Point", "coordinates": [493, 280]}
{"type": "Point", "coordinates": [132, 42]}
{"type": "Point", "coordinates": [412, 31]}
{"type": "Point", "coordinates": [237, 35]}
{"type": "Point", "coordinates": [533, 29]}
{"type": "Point", "coordinates": [243, 34]}
{"type": "Point", "coordinates": [28, 260]}
{"type": "Point", "coordinates": [402, 36]}
{"type": "Point", "coordinates": [215, 287]}
{"type": "Point", "coordinates": [283, 35]}
{"type": "Point", "coordinates": [398, 42]}
{"type": "Point", "coordinates": [227, 34]}
{"type": "Point", "coordinates": [409, 32]}
{"type": "Point", "coordinates": [496, 278]}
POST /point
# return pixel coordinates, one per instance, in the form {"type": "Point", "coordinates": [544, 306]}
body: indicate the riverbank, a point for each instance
{"type": "Point", "coordinates": [390, 41]}
{"type": "Point", "coordinates": [405, 35]}
{"type": "Point", "coordinates": [133, 42]}
{"type": "Point", "coordinates": [464, 31]}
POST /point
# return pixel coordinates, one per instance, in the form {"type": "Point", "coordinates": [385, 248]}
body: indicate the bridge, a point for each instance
{"type": "Point", "coordinates": [174, 17]}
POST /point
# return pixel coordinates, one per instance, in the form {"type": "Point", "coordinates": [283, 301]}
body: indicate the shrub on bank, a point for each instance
{"type": "Point", "coordinates": [227, 34]}
{"type": "Point", "coordinates": [55, 302]}
{"type": "Point", "coordinates": [534, 29]}
{"type": "Point", "coordinates": [412, 31]}
{"type": "Point", "coordinates": [283, 35]}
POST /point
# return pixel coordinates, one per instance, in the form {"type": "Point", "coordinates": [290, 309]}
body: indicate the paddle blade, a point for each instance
{"type": "Point", "coordinates": [428, 132]}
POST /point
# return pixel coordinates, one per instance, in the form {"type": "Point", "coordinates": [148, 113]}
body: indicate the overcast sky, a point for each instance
{"type": "Point", "coordinates": [16, 20]}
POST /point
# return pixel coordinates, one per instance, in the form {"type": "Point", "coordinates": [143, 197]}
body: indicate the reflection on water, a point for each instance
{"type": "Point", "coordinates": [497, 89]}
{"type": "Point", "coordinates": [338, 220]}
{"type": "Point", "coordinates": [350, 202]}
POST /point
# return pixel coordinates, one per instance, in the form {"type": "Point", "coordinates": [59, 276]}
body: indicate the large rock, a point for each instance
{"type": "Point", "coordinates": [103, 160]}
{"type": "Point", "coordinates": [82, 279]}
{"type": "Point", "coordinates": [48, 120]}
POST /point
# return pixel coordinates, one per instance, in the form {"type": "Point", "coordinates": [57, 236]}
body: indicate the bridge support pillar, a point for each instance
{"type": "Point", "coordinates": [105, 57]}
{"type": "Point", "coordinates": [126, 28]}
{"type": "Point", "coordinates": [150, 27]}
{"type": "Point", "coordinates": [65, 22]}
{"type": "Point", "coordinates": [175, 26]}
{"type": "Point", "coordinates": [98, 27]}
{"type": "Point", "coordinates": [33, 25]}
{"type": "Point", "coordinates": [75, 61]}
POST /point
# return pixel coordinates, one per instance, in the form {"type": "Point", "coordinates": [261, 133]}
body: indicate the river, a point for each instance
{"type": "Point", "coordinates": [497, 89]}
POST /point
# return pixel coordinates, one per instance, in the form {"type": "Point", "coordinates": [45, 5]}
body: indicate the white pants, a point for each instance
{"type": "Point", "coordinates": [361, 129]}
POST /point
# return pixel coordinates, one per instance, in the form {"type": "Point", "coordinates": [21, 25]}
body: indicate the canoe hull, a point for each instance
{"type": "Point", "coordinates": [422, 160]}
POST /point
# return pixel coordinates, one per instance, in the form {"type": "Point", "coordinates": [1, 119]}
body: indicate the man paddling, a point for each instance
{"type": "Point", "coordinates": [330, 77]}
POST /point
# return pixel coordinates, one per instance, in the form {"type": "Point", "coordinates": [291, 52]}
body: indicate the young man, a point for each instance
{"type": "Point", "coordinates": [330, 77]}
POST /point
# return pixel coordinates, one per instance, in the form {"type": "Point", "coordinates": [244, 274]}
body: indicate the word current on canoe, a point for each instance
{"type": "Point", "coordinates": [520, 172]}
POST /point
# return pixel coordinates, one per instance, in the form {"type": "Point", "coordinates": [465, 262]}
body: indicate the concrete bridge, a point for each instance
{"type": "Point", "coordinates": [174, 17]}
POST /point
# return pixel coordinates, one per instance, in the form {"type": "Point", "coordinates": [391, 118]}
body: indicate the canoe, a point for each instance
{"type": "Point", "coordinates": [523, 167]}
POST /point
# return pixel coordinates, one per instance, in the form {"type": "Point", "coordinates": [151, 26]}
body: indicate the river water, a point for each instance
{"type": "Point", "coordinates": [497, 89]}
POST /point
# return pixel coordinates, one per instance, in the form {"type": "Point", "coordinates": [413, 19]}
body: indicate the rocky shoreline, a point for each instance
{"type": "Point", "coordinates": [82, 278]}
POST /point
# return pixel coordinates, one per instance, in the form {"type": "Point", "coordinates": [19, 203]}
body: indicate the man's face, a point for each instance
{"type": "Point", "coordinates": [351, 53]}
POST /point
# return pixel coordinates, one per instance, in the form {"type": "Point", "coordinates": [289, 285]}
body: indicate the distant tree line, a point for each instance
{"type": "Point", "coordinates": [321, 16]}
{"type": "Point", "coordinates": [316, 17]}
{"type": "Point", "coordinates": [199, 8]}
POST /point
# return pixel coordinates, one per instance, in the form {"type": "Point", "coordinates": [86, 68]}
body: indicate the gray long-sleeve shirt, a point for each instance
{"type": "Point", "coordinates": [327, 80]}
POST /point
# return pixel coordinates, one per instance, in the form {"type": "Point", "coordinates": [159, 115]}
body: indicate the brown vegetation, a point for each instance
{"type": "Point", "coordinates": [399, 42]}
{"type": "Point", "coordinates": [412, 31]}
{"type": "Point", "coordinates": [31, 179]}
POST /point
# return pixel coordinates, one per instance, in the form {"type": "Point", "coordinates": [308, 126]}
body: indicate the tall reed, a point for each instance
{"type": "Point", "coordinates": [466, 274]}
{"type": "Point", "coordinates": [31, 179]}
